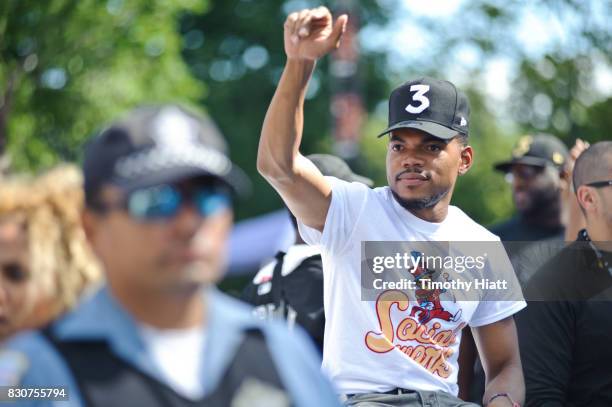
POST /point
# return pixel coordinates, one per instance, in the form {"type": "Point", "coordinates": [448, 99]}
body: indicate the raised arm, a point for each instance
{"type": "Point", "coordinates": [308, 35]}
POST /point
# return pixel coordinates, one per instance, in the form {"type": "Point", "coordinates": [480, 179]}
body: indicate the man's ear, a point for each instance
{"type": "Point", "coordinates": [467, 157]}
{"type": "Point", "coordinates": [587, 198]}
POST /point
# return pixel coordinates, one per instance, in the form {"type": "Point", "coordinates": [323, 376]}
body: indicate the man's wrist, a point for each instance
{"type": "Point", "coordinates": [501, 400]}
{"type": "Point", "coordinates": [301, 62]}
{"type": "Point", "coordinates": [300, 69]}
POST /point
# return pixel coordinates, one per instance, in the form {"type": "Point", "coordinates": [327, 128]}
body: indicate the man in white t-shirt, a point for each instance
{"type": "Point", "coordinates": [390, 350]}
{"type": "Point", "coordinates": [291, 286]}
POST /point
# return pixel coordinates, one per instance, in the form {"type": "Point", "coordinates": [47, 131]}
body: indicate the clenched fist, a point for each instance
{"type": "Point", "coordinates": [312, 33]}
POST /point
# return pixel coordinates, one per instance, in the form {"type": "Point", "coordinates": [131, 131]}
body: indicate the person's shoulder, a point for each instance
{"type": "Point", "coordinates": [383, 192]}
{"type": "Point", "coordinates": [29, 358]}
{"type": "Point", "coordinates": [352, 188]}
{"type": "Point", "coordinates": [28, 342]}
{"type": "Point", "coordinates": [297, 255]}
{"type": "Point", "coordinates": [231, 307]}
{"type": "Point", "coordinates": [292, 350]}
{"type": "Point", "coordinates": [500, 228]}
{"type": "Point", "coordinates": [471, 229]}
{"type": "Point", "coordinates": [299, 364]}
{"type": "Point", "coordinates": [299, 252]}
{"type": "Point", "coordinates": [555, 276]}
{"type": "Point", "coordinates": [562, 261]}
{"type": "Point", "coordinates": [235, 317]}
{"type": "Point", "coordinates": [239, 315]}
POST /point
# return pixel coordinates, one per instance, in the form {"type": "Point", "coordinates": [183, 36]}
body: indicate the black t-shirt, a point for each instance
{"type": "Point", "coordinates": [516, 229]}
{"type": "Point", "coordinates": [565, 340]}
{"type": "Point", "coordinates": [528, 246]}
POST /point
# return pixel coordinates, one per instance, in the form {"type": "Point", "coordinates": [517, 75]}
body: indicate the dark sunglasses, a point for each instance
{"type": "Point", "coordinates": [162, 202]}
{"type": "Point", "coordinates": [526, 172]}
{"type": "Point", "coordinates": [599, 184]}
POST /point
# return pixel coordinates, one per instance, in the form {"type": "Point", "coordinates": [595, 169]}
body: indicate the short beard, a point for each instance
{"type": "Point", "coordinates": [544, 203]}
{"type": "Point", "coordinates": [422, 203]}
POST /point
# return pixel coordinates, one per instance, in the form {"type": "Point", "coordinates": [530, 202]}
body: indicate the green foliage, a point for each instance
{"type": "Point", "coordinates": [482, 193]}
{"type": "Point", "coordinates": [76, 64]}
{"type": "Point", "coordinates": [556, 95]}
{"type": "Point", "coordinates": [553, 90]}
{"type": "Point", "coordinates": [237, 49]}
{"type": "Point", "coordinates": [68, 66]}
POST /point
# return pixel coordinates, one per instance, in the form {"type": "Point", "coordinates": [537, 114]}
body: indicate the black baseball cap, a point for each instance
{"type": "Point", "coordinates": [156, 145]}
{"type": "Point", "coordinates": [538, 150]}
{"type": "Point", "coordinates": [434, 106]}
{"type": "Point", "coordinates": [336, 167]}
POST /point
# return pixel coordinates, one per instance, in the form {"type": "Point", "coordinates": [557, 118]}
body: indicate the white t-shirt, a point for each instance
{"type": "Point", "coordinates": [178, 354]}
{"type": "Point", "coordinates": [358, 354]}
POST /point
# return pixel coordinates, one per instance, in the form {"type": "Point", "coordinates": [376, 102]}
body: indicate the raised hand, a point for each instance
{"type": "Point", "coordinates": [311, 33]}
{"type": "Point", "coordinates": [575, 152]}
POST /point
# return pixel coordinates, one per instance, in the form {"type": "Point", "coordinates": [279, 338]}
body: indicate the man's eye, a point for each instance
{"type": "Point", "coordinates": [434, 148]}
{"type": "Point", "coordinates": [396, 147]}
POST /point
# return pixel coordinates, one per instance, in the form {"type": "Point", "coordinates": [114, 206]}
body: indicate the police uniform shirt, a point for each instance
{"type": "Point", "coordinates": [101, 318]}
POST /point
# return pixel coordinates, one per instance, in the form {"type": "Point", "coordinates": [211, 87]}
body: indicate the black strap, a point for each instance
{"type": "Point", "coordinates": [103, 378]}
{"type": "Point", "coordinates": [278, 295]}
{"type": "Point", "coordinates": [253, 360]}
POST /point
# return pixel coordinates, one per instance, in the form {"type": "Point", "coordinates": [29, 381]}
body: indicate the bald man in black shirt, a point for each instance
{"type": "Point", "coordinates": [564, 332]}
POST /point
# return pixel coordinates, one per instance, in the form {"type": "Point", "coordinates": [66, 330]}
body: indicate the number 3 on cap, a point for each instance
{"type": "Point", "coordinates": [419, 96]}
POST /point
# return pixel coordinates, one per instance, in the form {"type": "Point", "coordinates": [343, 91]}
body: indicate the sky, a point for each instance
{"type": "Point", "coordinates": [538, 31]}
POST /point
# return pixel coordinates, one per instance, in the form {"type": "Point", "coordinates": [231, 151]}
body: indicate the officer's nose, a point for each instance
{"type": "Point", "coordinates": [187, 221]}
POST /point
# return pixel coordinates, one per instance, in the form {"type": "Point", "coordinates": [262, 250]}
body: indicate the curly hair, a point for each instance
{"type": "Point", "coordinates": [61, 261]}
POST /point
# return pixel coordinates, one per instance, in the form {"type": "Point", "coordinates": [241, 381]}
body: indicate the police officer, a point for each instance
{"type": "Point", "coordinates": [158, 188]}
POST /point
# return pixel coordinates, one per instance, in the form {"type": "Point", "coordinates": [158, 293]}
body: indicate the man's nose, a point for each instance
{"type": "Point", "coordinates": [188, 220]}
{"type": "Point", "coordinates": [412, 158]}
{"type": "Point", "coordinates": [518, 182]}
